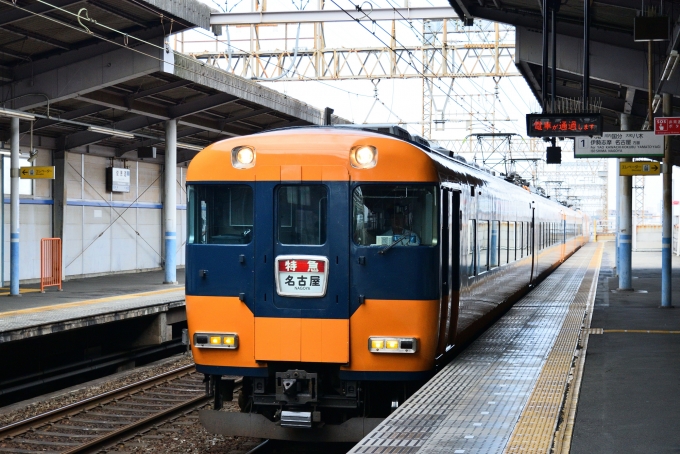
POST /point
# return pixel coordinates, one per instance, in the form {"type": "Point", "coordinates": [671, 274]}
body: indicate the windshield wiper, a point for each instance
{"type": "Point", "coordinates": [394, 243]}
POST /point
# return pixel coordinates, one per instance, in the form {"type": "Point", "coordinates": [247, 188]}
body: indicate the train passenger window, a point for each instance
{"type": "Point", "coordinates": [494, 242]}
{"type": "Point", "coordinates": [384, 214]}
{"type": "Point", "coordinates": [526, 239]}
{"type": "Point", "coordinates": [472, 230]}
{"type": "Point", "coordinates": [483, 246]}
{"type": "Point", "coordinates": [512, 242]}
{"type": "Point", "coordinates": [504, 246]}
{"type": "Point", "coordinates": [220, 214]}
{"type": "Point", "coordinates": [301, 213]}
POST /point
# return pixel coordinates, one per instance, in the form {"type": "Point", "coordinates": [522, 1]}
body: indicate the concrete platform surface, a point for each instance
{"type": "Point", "coordinates": [631, 381]}
{"type": "Point", "coordinates": [90, 301]}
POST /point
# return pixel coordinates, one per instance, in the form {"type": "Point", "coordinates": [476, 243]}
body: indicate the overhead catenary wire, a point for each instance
{"type": "Point", "coordinates": [410, 54]}
{"type": "Point", "coordinates": [422, 38]}
{"type": "Point", "coordinates": [165, 48]}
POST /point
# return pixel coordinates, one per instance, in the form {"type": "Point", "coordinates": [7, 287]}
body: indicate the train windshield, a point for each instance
{"type": "Point", "coordinates": [302, 214]}
{"type": "Point", "coordinates": [402, 214]}
{"type": "Point", "coordinates": [220, 214]}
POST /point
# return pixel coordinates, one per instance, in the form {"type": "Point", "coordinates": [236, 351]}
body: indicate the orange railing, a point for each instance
{"type": "Point", "coordinates": [50, 263]}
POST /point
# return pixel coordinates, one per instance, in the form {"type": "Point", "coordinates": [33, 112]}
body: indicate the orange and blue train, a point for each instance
{"type": "Point", "coordinates": [333, 268]}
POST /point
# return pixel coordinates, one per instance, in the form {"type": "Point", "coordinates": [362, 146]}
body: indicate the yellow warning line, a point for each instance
{"type": "Point", "coordinates": [35, 310]}
{"type": "Point", "coordinates": [640, 331]}
{"type": "Point", "coordinates": [537, 429]}
{"type": "Point", "coordinates": [22, 290]}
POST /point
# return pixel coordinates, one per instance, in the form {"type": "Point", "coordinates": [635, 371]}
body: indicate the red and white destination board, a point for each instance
{"type": "Point", "coordinates": [301, 275]}
{"type": "Point", "coordinates": [666, 125]}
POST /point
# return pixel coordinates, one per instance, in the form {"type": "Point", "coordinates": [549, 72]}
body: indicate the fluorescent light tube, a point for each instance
{"type": "Point", "coordinates": [111, 132]}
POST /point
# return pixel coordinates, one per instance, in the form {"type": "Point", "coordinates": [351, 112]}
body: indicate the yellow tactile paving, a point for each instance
{"type": "Point", "coordinates": [4, 291]}
{"type": "Point", "coordinates": [35, 310]}
{"type": "Point", "coordinates": [538, 429]}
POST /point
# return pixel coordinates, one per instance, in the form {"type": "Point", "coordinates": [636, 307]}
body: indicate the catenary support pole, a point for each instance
{"type": "Point", "coordinates": [586, 52]}
{"type": "Point", "coordinates": [553, 58]}
{"type": "Point", "coordinates": [14, 209]}
{"type": "Point", "coordinates": [170, 202]}
{"type": "Point", "coordinates": [666, 217]}
{"type": "Point", "coordinates": [544, 70]}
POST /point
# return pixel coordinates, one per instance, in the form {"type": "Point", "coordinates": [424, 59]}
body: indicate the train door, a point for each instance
{"type": "Point", "coordinates": [301, 313]}
{"type": "Point", "coordinates": [451, 218]}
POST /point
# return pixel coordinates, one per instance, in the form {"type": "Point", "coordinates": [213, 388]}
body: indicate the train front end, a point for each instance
{"type": "Point", "coordinates": [313, 273]}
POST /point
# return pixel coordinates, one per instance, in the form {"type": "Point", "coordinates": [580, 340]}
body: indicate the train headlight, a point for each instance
{"type": "Point", "coordinates": [392, 344]}
{"type": "Point", "coordinates": [243, 157]}
{"type": "Point", "coordinates": [363, 157]}
{"type": "Point", "coordinates": [377, 344]}
{"type": "Point", "coordinates": [216, 340]}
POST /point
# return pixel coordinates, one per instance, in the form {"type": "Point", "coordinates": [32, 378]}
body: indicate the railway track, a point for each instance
{"type": "Point", "coordinates": [106, 419]}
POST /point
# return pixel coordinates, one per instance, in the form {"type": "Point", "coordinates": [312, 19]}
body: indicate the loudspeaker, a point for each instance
{"type": "Point", "coordinates": [146, 152]}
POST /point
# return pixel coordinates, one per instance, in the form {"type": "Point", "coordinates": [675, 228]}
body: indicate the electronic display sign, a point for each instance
{"type": "Point", "coordinates": [564, 125]}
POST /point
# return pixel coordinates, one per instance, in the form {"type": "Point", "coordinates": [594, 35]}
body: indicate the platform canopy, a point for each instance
{"type": "Point", "coordinates": [106, 63]}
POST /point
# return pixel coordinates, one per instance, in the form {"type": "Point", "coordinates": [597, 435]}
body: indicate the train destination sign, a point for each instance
{"type": "Point", "coordinates": [623, 144]}
{"type": "Point", "coordinates": [36, 173]}
{"type": "Point", "coordinates": [667, 125]}
{"type": "Point", "coordinates": [564, 125]}
{"type": "Point", "coordinates": [301, 275]}
{"type": "Point", "coordinates": [639, 168]}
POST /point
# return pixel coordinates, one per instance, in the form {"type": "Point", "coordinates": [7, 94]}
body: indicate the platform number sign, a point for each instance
{"type": "Point", "coordinates": [620, 144]}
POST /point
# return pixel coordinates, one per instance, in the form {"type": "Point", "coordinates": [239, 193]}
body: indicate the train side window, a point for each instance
{"type": "Point", "coordinates": [494, 243]}
{"type": "Point", "coordinates": [527, 238]}
{"type": "Point", "coordinates": [302, 215]}
{"type": "Point", "coordinates": [406, 214]}
{"type": "Point", "coordinates": [471, 255]}
{"type": "Point", "coordinates": [220, 214]}
{"type": "Point", "coordinates": [512, 242]}
{"type": "Point", "coordinates": [505, 244]}
{"type": "Point", "coordinates": [483, 246]}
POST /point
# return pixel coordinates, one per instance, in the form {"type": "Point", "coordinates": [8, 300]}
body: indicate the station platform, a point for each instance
{"type": "Point", "coordinates": [90, 301]}
{"type": "Point", "coordinates": [557, 373]}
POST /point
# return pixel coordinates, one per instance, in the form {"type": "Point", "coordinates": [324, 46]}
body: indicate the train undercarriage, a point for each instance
{"type": "Point", "coordinates": [311, 404]}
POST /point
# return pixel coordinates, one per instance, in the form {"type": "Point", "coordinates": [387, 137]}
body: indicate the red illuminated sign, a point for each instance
{"type": "Point", "coordinates": [564, 125]}
{"type": "Point", "coordinates": [666, 125]}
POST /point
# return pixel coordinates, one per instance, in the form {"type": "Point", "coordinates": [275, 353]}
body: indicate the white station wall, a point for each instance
{"type": "Point", "coordinates": [103, 232]}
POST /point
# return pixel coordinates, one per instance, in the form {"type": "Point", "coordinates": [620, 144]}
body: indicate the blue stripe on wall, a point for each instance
{"type": "Point", "coordinates": [32, 201]}
{"type": "Point", "coordinates": [101, 203]}
{"type": "Point", "coordinates": [95, 203]}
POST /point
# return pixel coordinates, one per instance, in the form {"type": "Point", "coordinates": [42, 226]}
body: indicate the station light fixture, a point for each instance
{"type": "Point", "coordinates": [392, 344]}
{"type": "Point", "coordinates": [671, 63]}
{"type": "Point", "coordinates": [227, 341]}
{"type": "Point", "coordinates": [363, 157]}
{"type": "Point", "coordinates": [189, 146]}
{"type": "Point", "coordinates": [16, 114]}
{"type": "Point", "coordinates": [111, 132]}
{"type": "Point", "coordinates": [243, 157]}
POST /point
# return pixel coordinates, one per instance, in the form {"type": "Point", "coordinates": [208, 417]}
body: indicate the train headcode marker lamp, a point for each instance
{"type": "Point", "coordinates": [562, 125]}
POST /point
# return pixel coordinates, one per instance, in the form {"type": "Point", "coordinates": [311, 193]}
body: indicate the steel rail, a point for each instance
{"type": "Point", "coordinates": [131, 429]}
{"type": "Point", "coordinates": [25, 425]}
